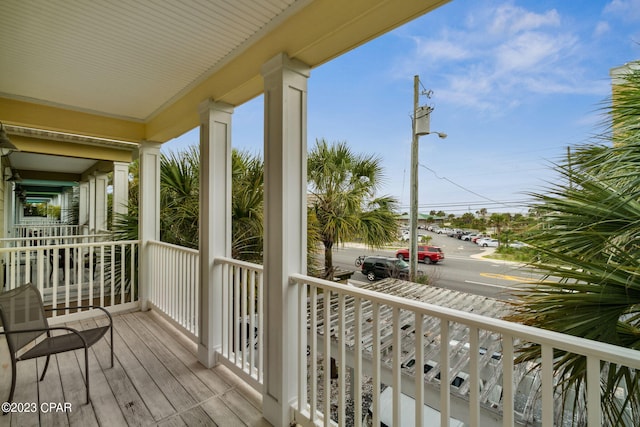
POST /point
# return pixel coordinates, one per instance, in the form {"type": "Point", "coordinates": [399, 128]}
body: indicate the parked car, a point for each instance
{"type": "Point", "coordinates": [488, 242]}
{"type": "Point", "coordinates": [517, 245]}
{"type": "Point", "coordinates": [453, 232]}
{"type": "Point", "coordinates": [468, 236]}
{"type": "Point", "coordinates": [478, 237]}
{"type": "Point", "coordinates": [405, 236]}
{"type": "Point", "coordinates": [432, 253]}
{"type": "Point", "coordinates": [378, 267]}
{"type": "Point", "coordinates": [460, 234]}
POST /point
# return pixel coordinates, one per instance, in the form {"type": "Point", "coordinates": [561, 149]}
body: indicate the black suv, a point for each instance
{"type": "Point", "coordinates": [377, 267]}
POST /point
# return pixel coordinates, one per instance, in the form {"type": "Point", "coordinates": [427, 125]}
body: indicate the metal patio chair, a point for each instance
{"type": "Point", "coordinates": [22, 315]}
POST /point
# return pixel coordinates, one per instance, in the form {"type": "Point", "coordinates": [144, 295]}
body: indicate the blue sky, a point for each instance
{"type": "Point", "coordinates": [514, 84]}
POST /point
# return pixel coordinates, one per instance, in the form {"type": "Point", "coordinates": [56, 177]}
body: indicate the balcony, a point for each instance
{"type": "Point", "coordinates": [468, 371]}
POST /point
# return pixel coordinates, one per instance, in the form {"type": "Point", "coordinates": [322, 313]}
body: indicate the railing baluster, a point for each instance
{"type": "Point", "coordinates": [113, 273]}
{"type": "Point", "coordinates": [313, 349]}
{"type": "Point", "coordinates": [252, 319]}
{"type": "Point", "coordinates": [356, 380]}
{"type": "Point", "coordinates": [375, 357]}
{"type": "Point", "coordinates": [226, 332]}
{"type": "Point", "coordinates": [326, 319]}
{"type": "Point", "coordinates": [244, 336]}
{"type": "Point", "coordinates": [40, 269]}
{"type": "Point", "coordinates": [67, 276]}
{"type": "Point", "coordinates": [54, 284]}
{"type": "Point", "coordinates": [123, 271]}
{"type": "Point", "coordinates": [419, 370]}
{"type": "Point", "coordinates": [594, 412]}
{"type": "Point", "coordinates": [396, 373]}
{"type": "Point", "coordinates": [132, 288]}
{"type": "Point", "coordinates": [547, 385]}
{"type": "Point", "coordinates": [260, 326]}
{"type": "Point", "coordinates": [341, 361]}
{"type": "Point", "coordinates": [236, 320]}
{"type": "Point", "coordinates": [474, 377]}
{"type": "Point", "coordinates": [508, 391]}
{"type": "Point", "coordinates": [444, 373]}
{"type": "Point", "coordinates": [302, 348]}
{"type": "Point", "coordinates": [79, 276]}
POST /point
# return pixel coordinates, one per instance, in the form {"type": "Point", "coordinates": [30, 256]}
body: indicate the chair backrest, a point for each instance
{"type": "Point", "coordinates": [22, 308]}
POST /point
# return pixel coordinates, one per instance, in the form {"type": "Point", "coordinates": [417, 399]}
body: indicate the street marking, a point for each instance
{"type": "Point", "coordinates": [507, 277]}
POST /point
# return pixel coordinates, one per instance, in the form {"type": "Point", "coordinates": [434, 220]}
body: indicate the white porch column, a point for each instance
{"type": "Point", "coordinates": [215, 221]}
{"type": "Point", "coordinates": [83, 203]}
{"type": "Point", "coordinates": [101, 200]}
{"type": "Point", "coordinates": [92, 204]}
{"type": "Point", "coordinates": [120, 188]}
{"type": "Point", "coordinates": [285, 228]}
{"type": "Point", "coordinates": [149, 213]}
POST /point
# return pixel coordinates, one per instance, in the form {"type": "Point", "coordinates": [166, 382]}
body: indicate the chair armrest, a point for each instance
{"type": "Point", "coordinates": [43, 330]}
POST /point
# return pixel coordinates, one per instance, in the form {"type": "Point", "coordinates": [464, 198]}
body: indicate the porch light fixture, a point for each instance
{"type": "Point", "coordinates": [6, 146]}
{"type": "Point", "coordinates": [15, 176]}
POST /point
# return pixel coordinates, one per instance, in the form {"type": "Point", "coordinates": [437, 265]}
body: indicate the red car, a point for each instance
{"type": "Point", "coordinates": [431, 253]}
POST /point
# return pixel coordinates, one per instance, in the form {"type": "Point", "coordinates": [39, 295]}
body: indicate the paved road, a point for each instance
{"type": "Point", "coordinates": [463, 268]}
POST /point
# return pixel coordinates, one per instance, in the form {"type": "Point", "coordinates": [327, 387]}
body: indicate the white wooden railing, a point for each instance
{"type": "Point", "coordinates": [362, 321]}
{"type": "Point", "coordinates": [174, 285]}
{"type": "Point", "coordinates": [100, 273]}
{"type": "Point", "coordinates": [174, 292]}
{"type": "Point", "coordinates": [39, 230]}
{"type": "Point", "coordinates": [242, 320]}
{"type": "Point", "coordinates": [70, 239]}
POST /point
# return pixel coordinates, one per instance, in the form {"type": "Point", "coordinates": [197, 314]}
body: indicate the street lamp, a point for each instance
{"type": "Point", "coordinates": [420, 127]}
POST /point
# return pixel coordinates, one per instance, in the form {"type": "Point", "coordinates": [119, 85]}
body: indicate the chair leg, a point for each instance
{"type": "Point", "coordinates": [86, 370]}
{"type": "Point", "coordinates": [46, 365]}
{"type": "Point", "coordinates": [14, 373]}
{"type": "Point", "coordinates": [111, 331]}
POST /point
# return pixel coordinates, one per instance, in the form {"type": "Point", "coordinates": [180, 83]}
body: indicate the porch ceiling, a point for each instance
{"type": "Point", "coordinates": [136, 70]}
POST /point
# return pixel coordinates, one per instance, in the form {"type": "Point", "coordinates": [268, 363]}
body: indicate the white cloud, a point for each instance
{"type": "Point", "coordinates": [529, 51]}
{"type": "Point", "coordinates": [510, 19]}
{"type": "Point", "coordinates": [497, 55]}
{"type": "Point", "coordinates": [441, 49]}
{"type": "Point", "coordinates": [628, 10]}
{"type": "Point", "coordinates": [602, 27]}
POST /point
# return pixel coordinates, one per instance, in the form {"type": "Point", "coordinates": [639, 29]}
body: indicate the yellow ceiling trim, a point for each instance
{"type": "Point", "coordinates": [69, 149]}
{"type": "Point", "coordinates": [23, 113]}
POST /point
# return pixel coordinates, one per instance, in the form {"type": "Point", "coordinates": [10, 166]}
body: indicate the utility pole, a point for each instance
{"type": "Point", "coordinates": [420, 126]}
{"type": "Point", "coordinates": [413, 213]}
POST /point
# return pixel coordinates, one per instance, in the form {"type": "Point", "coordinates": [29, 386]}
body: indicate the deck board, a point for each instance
{"type": "Point", "coordinates": [156, 381]}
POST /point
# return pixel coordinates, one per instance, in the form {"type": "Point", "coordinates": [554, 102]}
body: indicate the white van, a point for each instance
{"type": "Point", "coordinates": [430, 416]}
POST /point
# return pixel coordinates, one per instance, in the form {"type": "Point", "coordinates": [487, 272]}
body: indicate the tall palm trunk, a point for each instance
{"type": "Point", "coordinates": [328, 260]}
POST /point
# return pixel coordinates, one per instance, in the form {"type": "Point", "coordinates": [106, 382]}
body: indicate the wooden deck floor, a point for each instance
{"type": "Point", "coordinates": [156, 380]}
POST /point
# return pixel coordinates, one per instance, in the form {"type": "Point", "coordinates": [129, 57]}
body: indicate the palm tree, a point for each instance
{"type": "Point", "coordinates": [247, 206]}
{"type": "Point", "coordinates": [179, 194]}
{"type": "Point", "coordinates": [343, 199]}
{"type": "Point", "coordinates": [588, 237]}
{"type": "Point", "coordinates": [499, 220]}
{"type": "Point", "coordinates": [179, 207]}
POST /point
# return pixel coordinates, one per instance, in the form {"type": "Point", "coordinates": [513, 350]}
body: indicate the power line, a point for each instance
{"type": "Point", "coordinates": [444, 178]}
{"type": "Point", "coordinates": [473, 206]}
